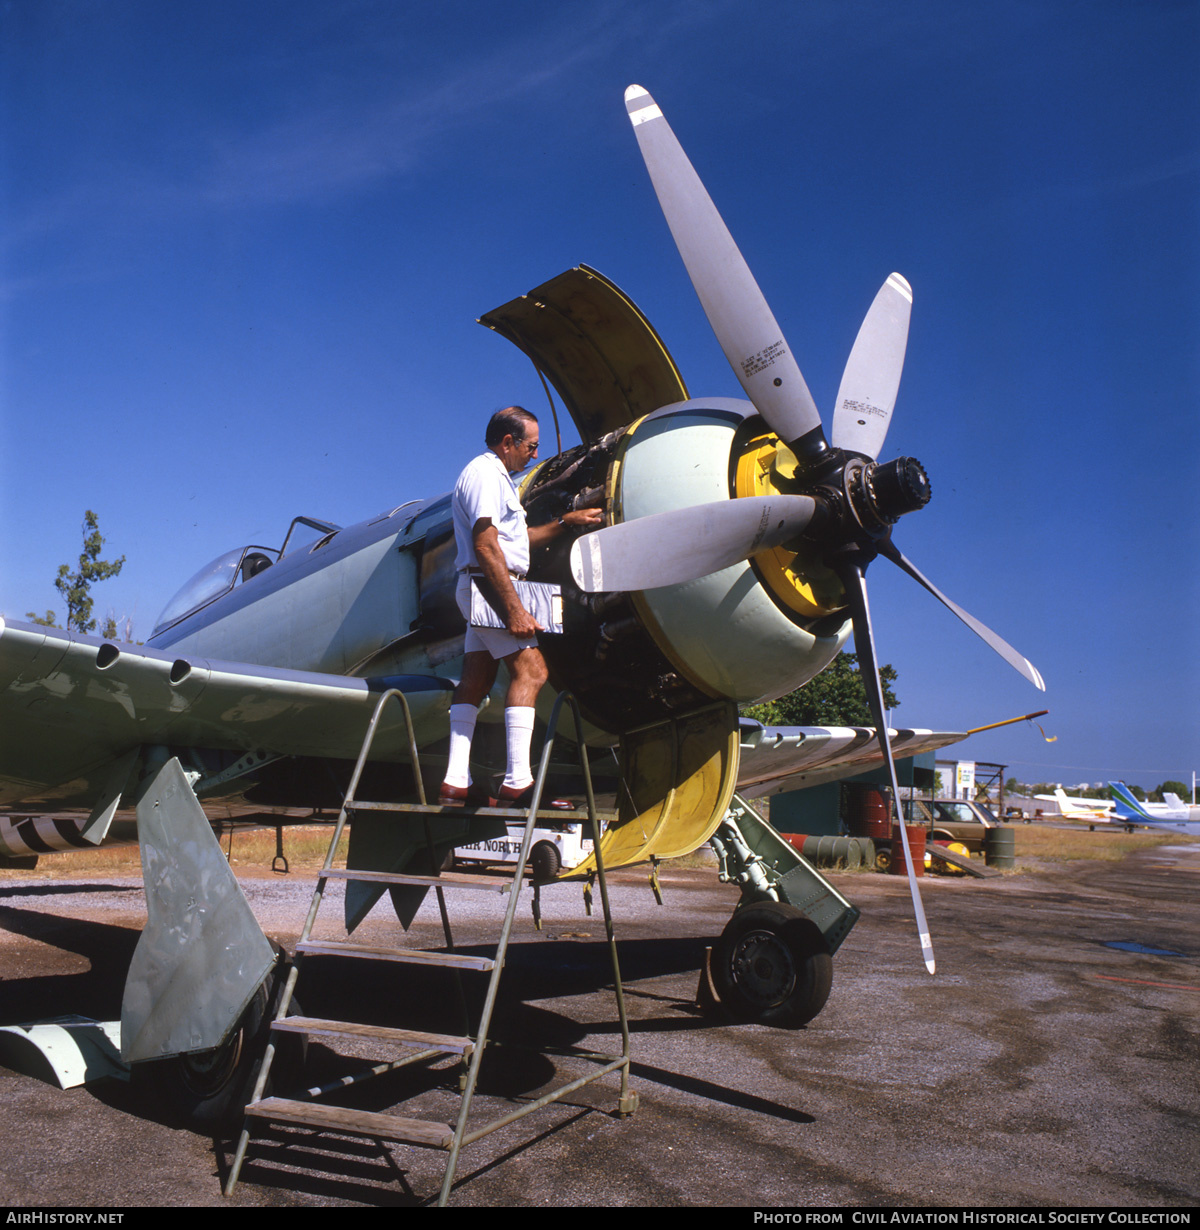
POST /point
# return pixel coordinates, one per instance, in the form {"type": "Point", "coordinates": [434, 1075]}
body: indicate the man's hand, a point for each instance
{"type": "Point", "coordinates": [523, 625]}
{"type": "Point", "coordinates": [577, 519]}
{"type": "Point", "coordinates": [495, 568]}
{"type": "Point", "coordinates": [583, 518]}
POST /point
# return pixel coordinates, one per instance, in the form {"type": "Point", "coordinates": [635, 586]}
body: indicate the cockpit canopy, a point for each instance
{"type": "Point", "coordinates": [240, 565]}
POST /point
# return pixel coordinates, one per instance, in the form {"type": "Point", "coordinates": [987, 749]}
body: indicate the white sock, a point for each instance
{"type": "Point", "coordinates": [462, 729]}
{"type": "Point", "coordinates": [518, 727]}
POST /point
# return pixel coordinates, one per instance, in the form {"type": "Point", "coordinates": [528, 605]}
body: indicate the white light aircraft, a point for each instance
{"type": "Point", "coordinates": [1173, 813]}
{"type": "Point", "coordinates": [1073, 807]}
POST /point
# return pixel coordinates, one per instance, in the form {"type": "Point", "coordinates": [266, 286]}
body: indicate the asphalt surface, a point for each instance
{"type": "Point", "coordinates": [1052, 1061]}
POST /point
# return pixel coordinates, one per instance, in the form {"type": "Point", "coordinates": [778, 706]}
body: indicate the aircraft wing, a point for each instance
{"type": "Point", "coordinates": [72, 706]}
{"type": "Point", "coordinates": [775, 758]}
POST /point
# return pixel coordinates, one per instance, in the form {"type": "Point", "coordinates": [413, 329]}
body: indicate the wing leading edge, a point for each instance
{"type": "Point", "coordinates": [776, 758]}
{"type": "Point", "coordinates": [73, 705]}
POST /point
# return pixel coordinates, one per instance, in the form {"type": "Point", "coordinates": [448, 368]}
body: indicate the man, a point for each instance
{"type": "Point", "coordinates": [493, 543]}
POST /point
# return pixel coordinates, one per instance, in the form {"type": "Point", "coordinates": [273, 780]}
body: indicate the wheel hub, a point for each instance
{"type": "Point", "coordinates": [206, 1072]}
{"type": "Point", "coordinates": [763, 969]}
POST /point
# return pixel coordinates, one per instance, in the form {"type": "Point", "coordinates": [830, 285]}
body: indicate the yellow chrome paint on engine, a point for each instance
{"type": "Point", "coordinates": [801, 583]}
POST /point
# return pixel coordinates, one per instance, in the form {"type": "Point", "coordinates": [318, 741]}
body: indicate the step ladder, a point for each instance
{"type": "Point", "coordinates": [418, 1046]}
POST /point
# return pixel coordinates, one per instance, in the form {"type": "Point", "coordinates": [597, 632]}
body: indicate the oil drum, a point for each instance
{"type": "Point", "coordinates": [867, 812]}
{"type": "Point", "coordinates": [1000, 847]}
{"type": "Point", "coordinates": [916, 843]}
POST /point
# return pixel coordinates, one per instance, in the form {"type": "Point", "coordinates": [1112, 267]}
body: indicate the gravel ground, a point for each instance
{"type": "Point", "coordinates": [1052, 1061]}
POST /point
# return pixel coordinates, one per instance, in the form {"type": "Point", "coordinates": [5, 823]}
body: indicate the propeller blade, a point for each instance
{"type": "Point", "coordinates": [735, 307]}
{"type": "Point", "coordinates": [852, 578]}
{"type": "Point", "coordinates": [871, 380]}
{"type": "Point", "coordinates": [1002, 647]}
{"type": "Point", "coordinates": [671, 547]}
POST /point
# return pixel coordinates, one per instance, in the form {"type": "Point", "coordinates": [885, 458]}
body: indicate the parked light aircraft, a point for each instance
{"type": "Point", "coordinates": [1073, 807]}
{"type": "Point", "coordinates": [731, 570]}
{"type": "Point", "coordinates": [1173, 813]}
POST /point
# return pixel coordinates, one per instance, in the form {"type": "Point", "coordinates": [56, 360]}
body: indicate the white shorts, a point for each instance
{"type": "Point", "coordinates": [499, 642]}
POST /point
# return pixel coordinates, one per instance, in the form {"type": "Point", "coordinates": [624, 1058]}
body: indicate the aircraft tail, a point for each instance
{"type": "Point", "coordinates": [1175, 801]}
{"type": "Point", "coordinates": [1129, 805]}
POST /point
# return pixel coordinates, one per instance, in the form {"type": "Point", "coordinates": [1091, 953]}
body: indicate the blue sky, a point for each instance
{"type": "Point", "coordinates": [244, 246]}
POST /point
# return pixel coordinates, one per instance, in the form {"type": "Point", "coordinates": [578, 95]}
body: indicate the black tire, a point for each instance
{"type": "Point", "coordinates": [772, 965]}
{"type": "Point", "coordinates": [545, 861]}
{"type": "Point", "coordinates": [207, 1091]}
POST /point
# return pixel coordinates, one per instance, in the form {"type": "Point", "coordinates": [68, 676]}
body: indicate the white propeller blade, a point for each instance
{"type": "Point", "coordinates": [855, 584]}
{"type": "Point", "coordinates": [672, 547]}
{"type": "Point", "coordinates": [1017, 661]}
{"type": "Point", "coordinates": [872, 377]}
{"type": "Point", "coordinates": [735, 307]}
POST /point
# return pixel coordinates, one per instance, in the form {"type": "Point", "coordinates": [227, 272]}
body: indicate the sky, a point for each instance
{"type": "Point", "coordinates": [244, 245]}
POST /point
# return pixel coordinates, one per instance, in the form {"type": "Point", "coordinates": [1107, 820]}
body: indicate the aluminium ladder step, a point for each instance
{"type": "Point", "coordinates": [405, 956]}
{"type": "Point", "coordinates": [451, 1044]}
{"type": "Point", "coordinates": [562, 814]}
{"type": "Point", "coordinates": [424, 1132]}
{"type": "Point", "coordinates": [448, 879]}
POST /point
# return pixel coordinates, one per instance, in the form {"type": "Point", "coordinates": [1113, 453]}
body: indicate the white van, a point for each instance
{"type": "Point", "coordinates": [554, 850]}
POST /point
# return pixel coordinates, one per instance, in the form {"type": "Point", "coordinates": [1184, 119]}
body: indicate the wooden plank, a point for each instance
{"type": "Point", "coordinates": [310, 1026]}
{"type": "Point", "coordinates": [406, 956]}
{"type": "Point", "coordinates": [972, 866]}
{"type": "Point", "coordinates": [354, 1122]}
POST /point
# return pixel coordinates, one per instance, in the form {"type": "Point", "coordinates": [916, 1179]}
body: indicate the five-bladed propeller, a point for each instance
{"type": "Point", "coordinates": [844, 503]}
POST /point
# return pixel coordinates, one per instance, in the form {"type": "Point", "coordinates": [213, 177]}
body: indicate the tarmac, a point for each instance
{"type": "Point", "coordinates": [1051, 1062]}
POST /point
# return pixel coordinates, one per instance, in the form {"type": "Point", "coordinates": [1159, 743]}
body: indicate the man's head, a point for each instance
{"type": "Point", "coordinates": [512, 434]}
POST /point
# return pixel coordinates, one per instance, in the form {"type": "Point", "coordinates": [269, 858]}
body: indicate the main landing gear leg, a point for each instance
{"type": "Point", "coordinates": [773, 962]}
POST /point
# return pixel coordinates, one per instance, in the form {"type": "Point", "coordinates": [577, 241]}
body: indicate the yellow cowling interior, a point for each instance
{"type": "Point", "coordinates": [677, 778]}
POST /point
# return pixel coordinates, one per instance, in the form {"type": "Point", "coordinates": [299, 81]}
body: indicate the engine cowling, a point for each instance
{"type": "Point", "coordinates": [748, 633]}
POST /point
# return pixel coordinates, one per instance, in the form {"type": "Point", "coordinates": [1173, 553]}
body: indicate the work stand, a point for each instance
{"type": "Point", "coordinates": [313, 1107]}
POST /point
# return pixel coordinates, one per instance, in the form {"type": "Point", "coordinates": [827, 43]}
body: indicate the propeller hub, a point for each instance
{"type": "Point", "coordinates": [898, 487]}
{"type": "Point", "coordinates": [880, 495]}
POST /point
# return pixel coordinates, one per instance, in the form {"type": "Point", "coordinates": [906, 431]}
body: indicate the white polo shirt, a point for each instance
{"type": "Point", "coordinates": [486, 489]}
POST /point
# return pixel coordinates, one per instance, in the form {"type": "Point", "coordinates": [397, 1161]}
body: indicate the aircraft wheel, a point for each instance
{"type": "Point", "coordinates": [545, 861]}
{"type": "Point", "coordinates": [208, 1090]}
{"type": "Point", "coordinates": [772, 965]}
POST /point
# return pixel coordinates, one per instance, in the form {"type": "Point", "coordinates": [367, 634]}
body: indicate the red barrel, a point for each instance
{"type": "Point", "coordinates": [916, 843]}
{"type": "Point", "coordinates": [867, 812]}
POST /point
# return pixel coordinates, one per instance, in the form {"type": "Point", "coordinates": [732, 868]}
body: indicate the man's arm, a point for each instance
{"type": "Point", "coordinates": [494, 567]}
{"type": "Point", "coordinates": [577, 518]}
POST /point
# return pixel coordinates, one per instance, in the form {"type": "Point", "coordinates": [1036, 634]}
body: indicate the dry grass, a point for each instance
{"type": "Point", "coordinates": [253, 850]}
{"type": "Point", "coordinates": [248, 849]}
{"type": "Point", "coordinates": [1060, 844]}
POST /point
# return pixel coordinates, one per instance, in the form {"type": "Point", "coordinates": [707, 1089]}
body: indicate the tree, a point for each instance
{"type": "Point", "coordinates": [75, 587]}
{"type": "Point", "coordinates": [836, 697]}
{"type": "Point", "coordinates": [1184, 792]}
